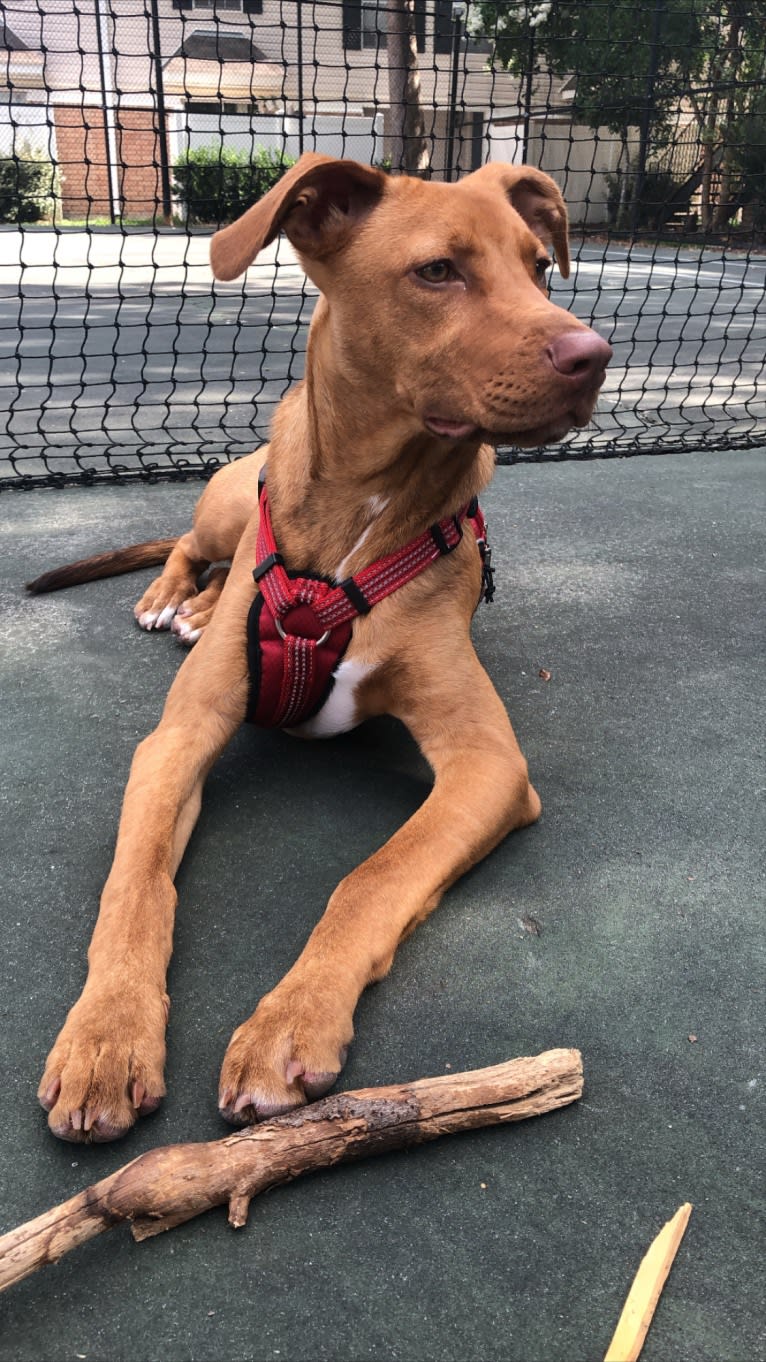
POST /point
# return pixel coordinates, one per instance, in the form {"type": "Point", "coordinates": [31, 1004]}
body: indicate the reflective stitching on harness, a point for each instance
{"type": "Point", "coordinates": [292, 674]}
{"type": "Point", "coordinates": [295, 675]}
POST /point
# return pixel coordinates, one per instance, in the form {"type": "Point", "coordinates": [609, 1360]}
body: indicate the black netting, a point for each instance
{"type": "Point", "coordinates": [129, 129]}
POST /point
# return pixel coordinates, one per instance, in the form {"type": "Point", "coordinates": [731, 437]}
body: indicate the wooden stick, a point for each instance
{"type": "Point", "coordinates": [639, 1308]}
{"type": "Point", "coordinates": [165, 1187]}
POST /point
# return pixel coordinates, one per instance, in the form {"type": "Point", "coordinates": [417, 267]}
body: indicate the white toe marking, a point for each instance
{"type": "Point", "coordinates": [165, 616]}
{"type": "Point", "coordinates": [146, 620]}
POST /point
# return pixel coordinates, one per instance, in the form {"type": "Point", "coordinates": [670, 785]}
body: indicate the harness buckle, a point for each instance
{"type": "Point", "coordinates": [439, 538]}
{"type": "Point", "coordinates": [487, 575]}
{"type": "Point", "coordinates": [355, 595]}
{"type": "Point", "coordinates": [271, 560]}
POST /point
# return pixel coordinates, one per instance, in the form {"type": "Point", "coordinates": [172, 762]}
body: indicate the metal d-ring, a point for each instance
{"type": "Point", "coordinates": [284, 636]}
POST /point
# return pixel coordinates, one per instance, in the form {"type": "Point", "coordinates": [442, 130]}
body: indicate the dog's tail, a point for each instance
{"type": "Point", "coordinates": [112, 564]}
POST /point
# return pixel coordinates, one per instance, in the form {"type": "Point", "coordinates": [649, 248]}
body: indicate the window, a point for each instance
{"type": "Point", "coordinates": [365, 24]}
{"type": "Point", "coordinates": [443, 26]}
{"type": "Point", "coordinates": [374, 24]}
{"type": "Point", "coordinates": [217, 107]}
{"type": "Point", "coordinates": [242, 6]}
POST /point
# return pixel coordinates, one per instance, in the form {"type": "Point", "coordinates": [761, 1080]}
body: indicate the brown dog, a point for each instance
{"type": "Point", "coordinates": [433, 339]}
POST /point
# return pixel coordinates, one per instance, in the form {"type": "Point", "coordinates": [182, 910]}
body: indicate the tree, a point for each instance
{"type": "Point", "coordinates": [615, 52]}
{"type": "Point", "coordinates": [748, 161]}
{"type": "Point", "coordinates": [636, 65]}
{"type": "Point", "coordinates": [409, 149]}
{"type": "Point", "coordinates": [729, 101]}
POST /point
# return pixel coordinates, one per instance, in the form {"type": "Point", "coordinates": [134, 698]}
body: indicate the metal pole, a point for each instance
{"type": "Point", "coordinates": [300, 75]}
{"type": "Point", "coordinates": [528, 96]}
{"type": "Point", "coordinates": [162, 124]}
{"type": "Point", "coordinates": [458, 15]}
{"type": "Point", "coordinates": [107, 91]}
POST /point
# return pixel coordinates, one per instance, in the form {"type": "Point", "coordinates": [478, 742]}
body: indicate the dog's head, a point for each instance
{"type": "Point", "coordinates": [438, 292]}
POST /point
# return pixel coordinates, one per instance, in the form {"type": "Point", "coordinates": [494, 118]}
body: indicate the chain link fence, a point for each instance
{"type": "Point", "coordinates": [131, 129]}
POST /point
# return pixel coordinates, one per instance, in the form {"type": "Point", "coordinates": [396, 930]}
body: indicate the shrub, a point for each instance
{"type": "Point", "coordinates": [26, 186]}
{"type": "Point", "coordinates": [217, 184]}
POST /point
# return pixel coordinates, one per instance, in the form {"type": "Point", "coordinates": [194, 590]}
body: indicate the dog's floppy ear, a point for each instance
{"type": "Point", "coordinates": [538, 200]}
{"type": "Point", "coordinates": [317, 204]}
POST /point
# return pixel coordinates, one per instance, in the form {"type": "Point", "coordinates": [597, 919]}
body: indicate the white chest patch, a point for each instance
{"type": "Point", "coordinates": [338, 714]}
{"type": "Point", "coordinates": [375, 507]}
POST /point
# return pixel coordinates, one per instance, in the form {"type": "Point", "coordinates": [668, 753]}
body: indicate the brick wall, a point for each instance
{"type": "Point", "coordinates": [81, 158]}
{"type": "Point", "coordinates": [138, 152]}
{"type": "Point", "coordinates": [83, 165]}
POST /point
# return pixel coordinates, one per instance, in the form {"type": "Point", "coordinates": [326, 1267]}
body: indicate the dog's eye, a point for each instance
{"type": "Point", "coordinates": [437, 272]}
{"type": "Point", "coordinates": [542, 265]}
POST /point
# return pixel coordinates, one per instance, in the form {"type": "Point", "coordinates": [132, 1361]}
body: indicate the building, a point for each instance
{"type": "Point", "coordinates": [111, 91]}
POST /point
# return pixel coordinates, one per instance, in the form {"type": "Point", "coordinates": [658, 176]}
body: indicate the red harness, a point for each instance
{"type": "Point", "coordinates": [299, 626]}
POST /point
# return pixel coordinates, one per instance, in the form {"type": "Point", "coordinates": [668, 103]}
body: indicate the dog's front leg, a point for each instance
{"type": "Point", "coordinates": [293, 1046]}
{"type": "Point", "coordinates": [106, 1066]}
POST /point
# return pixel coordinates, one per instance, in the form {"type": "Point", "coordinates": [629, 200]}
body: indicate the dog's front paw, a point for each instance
{"type": "Point", "coordinates": [288, 1053]}
{"type": "Point", "coordinates": [195, 614]}
{"type": "Point", "coordinates": [163, 598]}
{"type": "Point", "coordinates": [106, 1067]}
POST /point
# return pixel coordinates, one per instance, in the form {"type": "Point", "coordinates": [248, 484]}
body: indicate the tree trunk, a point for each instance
{"type": "Point", "coordinates": [709, 136]}
{"type": "Point", "coordinates": [409, 150]}
{"type": "Point", "coordinates": [706, 189]}
{"type": "Point", "coordinates": [622, 220]}
{"type": "Point", "coordinates": [733, 63]}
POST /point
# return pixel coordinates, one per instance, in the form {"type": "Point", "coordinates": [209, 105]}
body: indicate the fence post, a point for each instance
{"type": "Point", "coordinates": [299, 18]}
{"type": "Point", "coordinates": [528, 96]}
{"type": "Point", "coordinates": [162, 129]}
{"type": "Point", "coordinates": [106, 77]}
{"type": "Point", "coordinates": [458, 15]}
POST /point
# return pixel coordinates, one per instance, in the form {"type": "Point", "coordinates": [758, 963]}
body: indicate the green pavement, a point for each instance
{"type": "Point", "coordinates": [638, 585]}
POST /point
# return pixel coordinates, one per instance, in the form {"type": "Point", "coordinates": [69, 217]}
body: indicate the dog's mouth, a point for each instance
{"type": "Point", "coordinates": [549, 433]}
{"type": "Point", "coordinates": [450, 430]}
{"type": "Point", "coordinates": [553, 430]}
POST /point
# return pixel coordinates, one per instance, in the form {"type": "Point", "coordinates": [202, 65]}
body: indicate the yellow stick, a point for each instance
{"type": "Point", "coordinates": [644, 1294]}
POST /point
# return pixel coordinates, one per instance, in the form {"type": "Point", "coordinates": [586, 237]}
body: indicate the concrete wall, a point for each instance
{"type": "Point", "coordinates": [505, 142]}
{"type": "Point", "coordinates": [579, 160]}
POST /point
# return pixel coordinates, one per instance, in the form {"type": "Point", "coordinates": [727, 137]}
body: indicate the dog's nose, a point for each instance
{"type": "Point", "coordinates": [580, 355]}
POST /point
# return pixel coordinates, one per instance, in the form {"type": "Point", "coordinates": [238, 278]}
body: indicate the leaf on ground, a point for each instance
{"type": "Point", "coordinates": [530, 924]}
